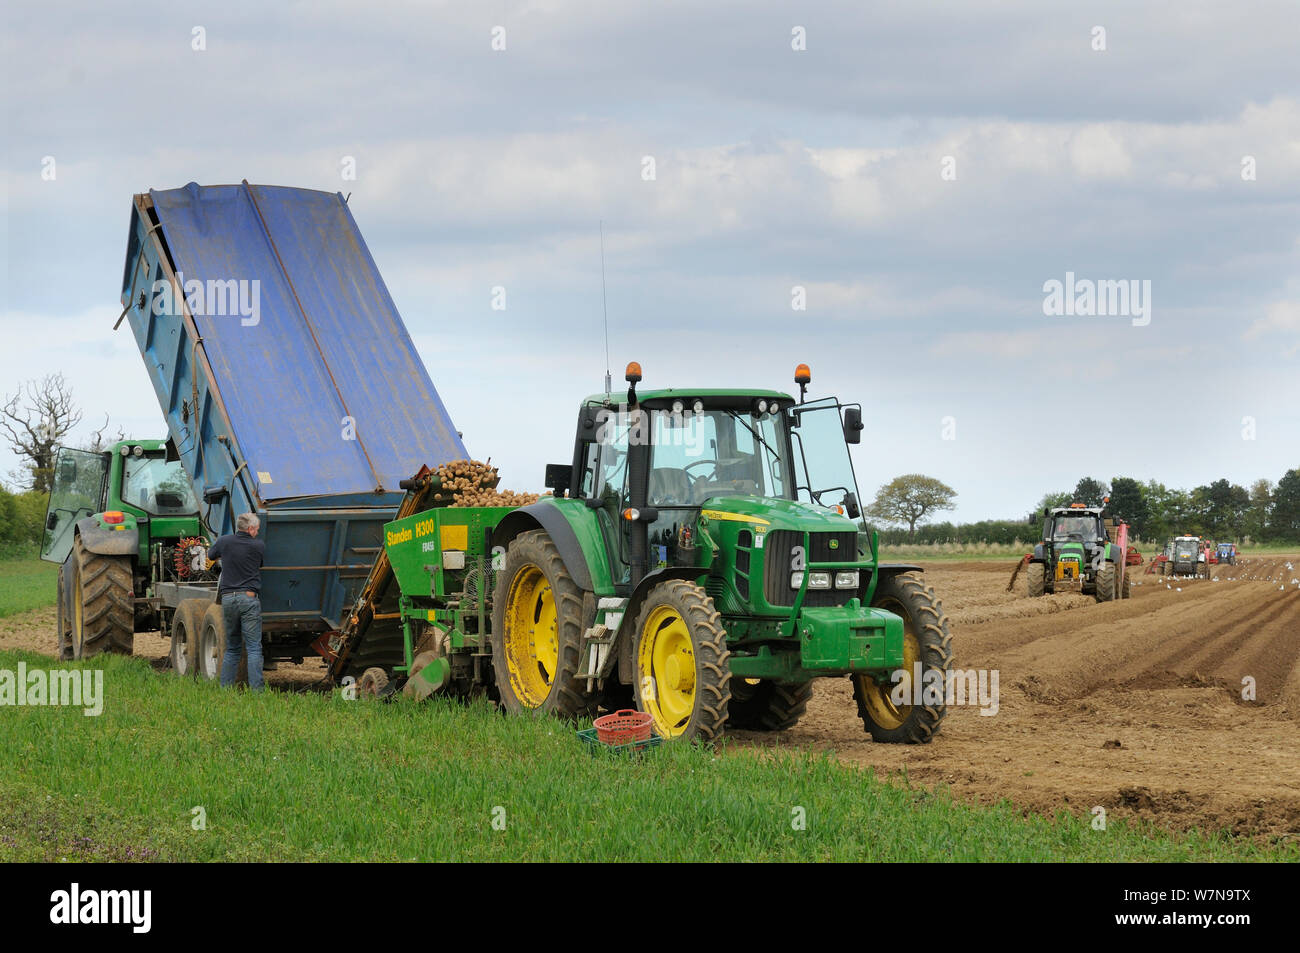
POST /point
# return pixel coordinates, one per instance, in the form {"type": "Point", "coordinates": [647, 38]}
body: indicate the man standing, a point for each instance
{"type": "Point", "coordinates": [239, 593]}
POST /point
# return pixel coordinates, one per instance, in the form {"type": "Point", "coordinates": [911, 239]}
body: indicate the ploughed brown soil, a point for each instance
{"type": "Point", "coordinates": [1135, 706]}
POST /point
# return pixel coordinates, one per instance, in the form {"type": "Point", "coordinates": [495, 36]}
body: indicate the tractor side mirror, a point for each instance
{"type": "Point", "coordinates": [852, 424]}
{"type": "Point", "coordinates": [559, 477]}
{"type": "Point", "coordinates": [851, 508]}
{"type": "Point", "coordinates": [51, 520]}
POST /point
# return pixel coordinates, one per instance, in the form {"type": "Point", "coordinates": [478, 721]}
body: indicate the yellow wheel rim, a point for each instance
{"type": "Point", "coordinates": [666, 668]}
{"type": "Point", "coordinates": [532, 642]}
{"type": "Point", "coordinates": [876, 697]}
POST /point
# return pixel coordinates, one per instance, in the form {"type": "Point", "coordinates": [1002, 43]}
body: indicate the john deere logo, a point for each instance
{"type": "Point", "coordinates": [835, 544]}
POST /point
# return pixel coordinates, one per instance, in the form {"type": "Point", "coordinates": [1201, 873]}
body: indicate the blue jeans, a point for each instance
{"type": "Point", "coordinates": [242, 614]}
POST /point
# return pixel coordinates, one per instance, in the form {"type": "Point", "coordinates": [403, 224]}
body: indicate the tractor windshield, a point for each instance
{"type": "Point", "coordinates": [1082, 527]}
{"type": "Point", "coordinates": [157, 486]}
{"type": "Point", "coordinates": [698, 456]}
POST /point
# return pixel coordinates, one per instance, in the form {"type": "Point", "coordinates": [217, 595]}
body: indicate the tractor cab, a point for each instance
{"type": "Point", "coordinates": [1082, 527]}
{"type": "Point", "coordinates": [1077, 553]}
{"type": "Point", "coordinates": [658, 464]}
{"type": "Point", "coordinates": [132, 482]}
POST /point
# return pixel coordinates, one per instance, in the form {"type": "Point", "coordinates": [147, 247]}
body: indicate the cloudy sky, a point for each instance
{"type": "Point", "coordinates": [920, 170]}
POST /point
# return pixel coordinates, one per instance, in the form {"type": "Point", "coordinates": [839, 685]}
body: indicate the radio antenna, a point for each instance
{"type": "Point", "coordinates": [603, 308]}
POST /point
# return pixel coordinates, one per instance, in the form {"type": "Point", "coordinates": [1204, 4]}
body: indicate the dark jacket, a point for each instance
{"type": "Point", "coordinates": [241, 558]}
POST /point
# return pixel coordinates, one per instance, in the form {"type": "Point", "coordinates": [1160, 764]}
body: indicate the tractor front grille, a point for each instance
{"type": "Point", "coordinates": [778, 560]}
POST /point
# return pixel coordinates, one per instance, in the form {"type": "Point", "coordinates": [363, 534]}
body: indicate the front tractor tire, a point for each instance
{"type": "Point", "coordinates": [766, 705]}
{"type": "Point", "coordinates": [103, 604]}
{"type": "Point", "coordinates": [537, 631]}
{"type": "Point", "coordinates": [1105, 586]}
{"type": "Point", "coordinates": [1036, 579]}
{"type": "Point", "coordinates": [683, 670]}
{"type": "Point", "coordinates": [925, 640]}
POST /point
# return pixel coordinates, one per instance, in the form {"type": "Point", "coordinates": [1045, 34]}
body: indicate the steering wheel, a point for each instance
{"type": "Point", "coordinates": [700, 463]}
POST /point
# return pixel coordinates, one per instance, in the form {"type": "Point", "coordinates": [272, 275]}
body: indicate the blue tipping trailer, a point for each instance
{"type": "Point", "coordinates": [288, 382]}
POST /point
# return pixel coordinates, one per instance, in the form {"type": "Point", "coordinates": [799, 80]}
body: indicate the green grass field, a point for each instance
{"type": "Point", "coordinates": [316, 777]}
{"type": "Point", "coordinates": [26, 583]}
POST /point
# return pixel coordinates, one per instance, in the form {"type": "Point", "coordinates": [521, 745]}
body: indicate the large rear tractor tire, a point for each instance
{"type": "Point", "coordinates": [1105, 587]}
{"type": "Point", "coordinates": [926, 640]}
{"type": "Point", "coordinates": [766, 705]}
{"type": "Point", "coordinates": [64, 622]}
{"type": "Point", "coordinates": [103, 604]}
{"type": "Point", "coordinates": [1035, 579]}
{"type": "Point", "coordinates": [683, 670]}
{"type": "Point", "coordinates": [187, 630]}
{"type": "Point", "coordinates": [537, 631]}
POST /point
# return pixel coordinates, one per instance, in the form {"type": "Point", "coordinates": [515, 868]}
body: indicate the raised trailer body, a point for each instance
{"type": "Point", "coordinates": [288, 381]}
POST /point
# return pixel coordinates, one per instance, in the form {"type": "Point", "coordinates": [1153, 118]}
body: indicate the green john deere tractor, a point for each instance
{"type": "Point", "coordinates": [1079, 552]}
{"type": "Point", "coordinates": [699, 559]}
{"type": "Point", "coordinates": [118, 522]}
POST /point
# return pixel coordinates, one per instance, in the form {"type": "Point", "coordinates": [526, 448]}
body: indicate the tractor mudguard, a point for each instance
{"type": "Point", "coordinates": [1039, 555]}
{"type": "Point", "coordinates": [107, 540]}
{"type": "Point", "coordinates": [573, 528]}
{"type": "Point", "coordinates": [893, 569]}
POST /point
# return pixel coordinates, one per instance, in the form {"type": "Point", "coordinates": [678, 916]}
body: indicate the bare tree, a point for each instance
{"type": "Point", "coordinates": [99, 442]}
{"type": "Point", "coordinates": [34, 420]}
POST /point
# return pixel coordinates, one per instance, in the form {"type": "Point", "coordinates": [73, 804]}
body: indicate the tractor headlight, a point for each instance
{"type": "Point", "coordinates": [846, 580]}
{"type": "Point", "coordinates": [816, 580]}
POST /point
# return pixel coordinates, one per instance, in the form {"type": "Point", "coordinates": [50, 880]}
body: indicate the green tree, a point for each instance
{"type": "Point", "coordinates": [1090, 492]}
{"type": "Point", "coordinates": [1257, 514]}
{"type": "Point", "coordinates": [1284, 522]}
{"type": "Point", "coordinates": [1050, 501]}
{"type": "Point", "coordinates": [1128, 502]}
{"type": "Point", "coordinates": [1221, 508]}
{"type": "Point", "coordinates": [910, 498]}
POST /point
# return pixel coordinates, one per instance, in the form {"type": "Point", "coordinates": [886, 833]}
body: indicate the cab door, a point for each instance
{"type": "Point", "coordinates": [80, 478]}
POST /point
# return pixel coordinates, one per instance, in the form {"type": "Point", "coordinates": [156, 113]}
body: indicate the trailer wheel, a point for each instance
{"type": "Point", "coordinates": [683, 670]}
{"type": "Point", "coordinates": [763, 705]}
{"type": "Point", "coordinates": [212, 648]}
{"type": "Point", "coordinates": [187, 630]}
{"type": "Point", "coordinates": [1035, 579]}
{"type": "Point", "coordinates": [537, 631]}
{"type": "Point", "coordinates": [926, 640]}
{"type": "Point", "coordinates": [103, 604]}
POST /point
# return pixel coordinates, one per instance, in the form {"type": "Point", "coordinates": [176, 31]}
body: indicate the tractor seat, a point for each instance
{"type": "Point", "coordinates": [669, 487]}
